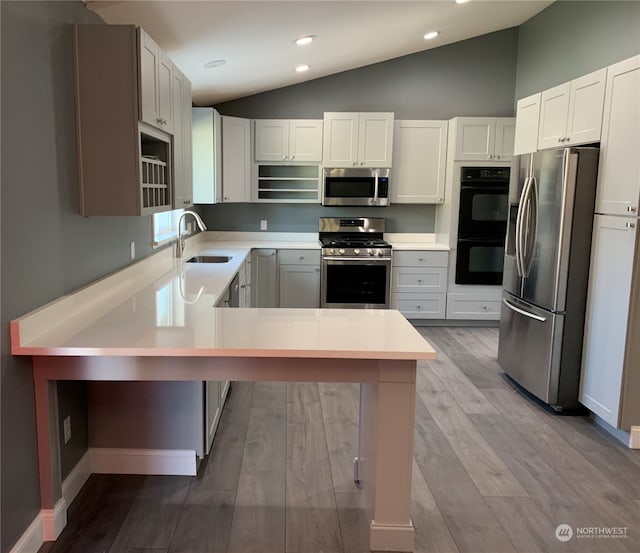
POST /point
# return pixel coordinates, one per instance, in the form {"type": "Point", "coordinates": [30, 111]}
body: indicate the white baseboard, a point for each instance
{"type": "Point", "coordinates": [49, 523]}
{"type": "Point", "coordinates": [383, 537]}
{"type": "Point", "coordinates": [143, 461]}
{"type": "Point", "coordinates": [634, 437]}
{"type": "Point", "coordinates": [47, 526]}
{"type": "Point", "coordinates": [77, 478]}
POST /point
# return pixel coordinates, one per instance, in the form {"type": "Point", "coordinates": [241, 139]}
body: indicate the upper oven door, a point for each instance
{"type": "Point", "coordinates": [354, 187]}
{"type": "Point", "coordinates": [484, 210]}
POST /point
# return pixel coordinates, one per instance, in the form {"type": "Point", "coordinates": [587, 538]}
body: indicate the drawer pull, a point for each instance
{"type": "Point", "coordinates": [419, 280]}
{"type": "Point", "coordinates": [418, 307]}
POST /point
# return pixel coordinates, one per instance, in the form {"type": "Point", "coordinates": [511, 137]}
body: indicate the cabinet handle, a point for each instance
{"type": "Point", "coordinates": [301, 257]}
{"type": "Point", "coordinates": [630, 225]}
{"type": "Point", "coordinates": [559, 139]}
{"type": "Point", "coordinates": [355, 163]}
{"type": "Point", "coordinates": [632, 208]}
{"type": "Point", "coordinates": [484, 307]}
{"type": "Point", "coordinates": [293, 157]}
{"type": "Point", "coordinates": [362, 163]}
{"type": "Point", "coordinates": [418, 307]}
{"type": "Point", "coordinates": [421, 259]}
{"type": "Point", "coordinates": [419, 280]}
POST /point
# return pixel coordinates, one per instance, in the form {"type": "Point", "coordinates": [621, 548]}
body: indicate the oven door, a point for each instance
{"type": "Point", "coordinates": [355, 282]}
{"type": "Point", "coordinates": [483, 210]}
{"type": "Point", "coordinates": [480, 261]}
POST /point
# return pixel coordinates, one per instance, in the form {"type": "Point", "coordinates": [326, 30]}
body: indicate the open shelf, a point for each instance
{"type": "Point", "coordinates": [289, 183]}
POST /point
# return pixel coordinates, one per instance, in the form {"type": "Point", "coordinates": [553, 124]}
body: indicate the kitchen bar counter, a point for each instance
{"type": "Point", "coordinates": [118, 329]}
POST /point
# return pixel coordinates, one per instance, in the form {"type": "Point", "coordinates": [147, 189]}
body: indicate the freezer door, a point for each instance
{"type": "Point", "coordinates": [529, 347]}
{"type": "Point", "coordinates": [547, 235]}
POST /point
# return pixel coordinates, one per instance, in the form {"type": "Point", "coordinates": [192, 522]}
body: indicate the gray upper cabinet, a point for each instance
{"type": "Point", "coordinates": [125, 123]}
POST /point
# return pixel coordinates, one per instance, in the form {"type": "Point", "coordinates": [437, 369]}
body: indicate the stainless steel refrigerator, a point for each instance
{"type": "Point", "coordinates": [546, 273]}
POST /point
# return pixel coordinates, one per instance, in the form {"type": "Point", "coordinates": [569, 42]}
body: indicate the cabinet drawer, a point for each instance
{"type": "Point", "coordinates": [299, 257]}
{"type": "Point", "coordinates": [420, 258]}
{"type": "Point", "coordinates": [420, 306]}
{"type": "Point", "coordinates": [419, 279]}
{"type": "Point", "coordinates": [468, 306]}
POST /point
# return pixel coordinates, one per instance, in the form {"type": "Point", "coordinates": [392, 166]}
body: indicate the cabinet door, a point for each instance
{"type": "Point", "coordinates": [187, 143]}
{"type": "Point", "coordinates": [586, 101]}
{"type": "Point", "coordinates": [156, 80]}
{"type": "Point", "coordinates": [305, 140]}
{"type": "Point", "coordinates": [527, 118]}
{"type": "Point", "coordinates": [475, 138]}
{"type": "Point", "coordinates": [213, 407]}
{"type": "Point", "coordinates": [236, 167]}
{"type": "Point", "coordinates": [164, 85]}
{"type": "Point", "coordinates": [206, 136]}
{"type": "Point", "coordinates": [505, 138]}
{"type": "Point", "coordinates": [554, 108]}
{"type": "Point", "coordinates": [182, 154]}
{"type": "Point", "coordinates": [299, 286]}
{"type": "Point", "coordinates": [264, 278]}
{"type": "Point", "coordinates": [340, 144]}
{"type": "Point", "coordinates": [375, 140]}
{"type": "Point", "coordinates": [420, 154]}
{"type": "Point", "coordinates": [612, 253]}
{"type": "Point", "coordinates": [272, 139]}
{"type": "Point", "coordinates": [619, 171]}
{"type": "Point", "coordinates": [149, 66]}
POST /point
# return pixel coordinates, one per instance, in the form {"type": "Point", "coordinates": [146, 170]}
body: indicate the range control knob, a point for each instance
{"type": "Point", "coordinates": [356, 251]}
{"type": "Point", "coordinates": [370, 251]}
{"type": "Point", "coordinates": [331, 251]}
{"type": "Point", "coordinates": [341, 251]}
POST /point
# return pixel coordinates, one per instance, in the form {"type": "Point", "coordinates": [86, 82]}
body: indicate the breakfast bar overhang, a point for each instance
{"type": "Point", "coordinates": [377, 348]}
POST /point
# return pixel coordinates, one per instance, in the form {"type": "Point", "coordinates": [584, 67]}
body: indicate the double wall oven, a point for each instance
{"type": "Point", "coordinates": [482, 224]}
{"type": "Point", "coordinates": [356, 263]}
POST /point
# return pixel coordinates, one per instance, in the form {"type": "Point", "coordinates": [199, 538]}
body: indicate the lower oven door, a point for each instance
{"type": "Point", "coordinates": [355, 283]}
{"type": "Point", "coordinates": [480, 261]}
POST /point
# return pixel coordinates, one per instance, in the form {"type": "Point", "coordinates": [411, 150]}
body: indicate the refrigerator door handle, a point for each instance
{"type": "Point", "coordinates": [532, 226]}
{"type": "Point", "coordinates": [519, 219]}
{"type": "Point", "coordinates": [523, 312]}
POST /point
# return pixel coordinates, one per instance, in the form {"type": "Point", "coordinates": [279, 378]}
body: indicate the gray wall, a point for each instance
{"type": "Point", "coordinates": [572, 38]}
{"type": "Point", "coordinates": [47, 248]}
{"type": "Point", "coordinates": [473, 77]}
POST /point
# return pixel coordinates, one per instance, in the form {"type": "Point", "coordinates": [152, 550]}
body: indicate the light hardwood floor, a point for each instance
{"type": "Point", "coordinates": [493, 473]}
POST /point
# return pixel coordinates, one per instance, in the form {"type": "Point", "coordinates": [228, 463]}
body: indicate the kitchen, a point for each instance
{"type": "Point", "coordinates": [73, 251]}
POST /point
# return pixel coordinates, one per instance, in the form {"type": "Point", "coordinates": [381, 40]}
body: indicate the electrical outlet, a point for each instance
{"type": "Point", "coordinates": [263, 224]}
{"type": "Point", "coordinates": [66, 425]}
{"type": "Point", "coordinates": [132, 249]}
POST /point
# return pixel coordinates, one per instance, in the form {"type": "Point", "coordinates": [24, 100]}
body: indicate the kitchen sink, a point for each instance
{"type": "Point", "coordinates": [210, 259]}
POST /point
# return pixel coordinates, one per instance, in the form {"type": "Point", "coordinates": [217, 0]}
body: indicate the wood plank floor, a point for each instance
{"type": "Point", "coordinates": [493, 473]}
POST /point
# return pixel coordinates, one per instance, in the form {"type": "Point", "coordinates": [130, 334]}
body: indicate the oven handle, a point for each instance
{"type": "Point", "coordinates": [365, 259]}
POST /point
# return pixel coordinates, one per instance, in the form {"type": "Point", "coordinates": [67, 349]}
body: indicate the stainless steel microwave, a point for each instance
{"type": "Point", "coordinates": [353, 187]}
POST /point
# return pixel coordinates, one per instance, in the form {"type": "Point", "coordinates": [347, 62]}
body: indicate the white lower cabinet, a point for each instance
{"type": "Point", "coordinates": [419, 283]}
{"type": "Point", "coordinates": [264, 278]}
{"type": "Point", "coordinates": [299, 276]}
{"type": "Point", "coordinates": [607, 316]}
{"type": "Point", "coordinates": [479, 307]}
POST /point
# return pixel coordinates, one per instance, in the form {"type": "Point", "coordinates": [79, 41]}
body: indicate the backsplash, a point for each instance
{"type": "Point", "coordinates": [246, 217]}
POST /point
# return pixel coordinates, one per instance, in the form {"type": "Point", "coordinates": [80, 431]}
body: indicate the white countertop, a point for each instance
{"type": "Point", "coordinates": [165, 307]}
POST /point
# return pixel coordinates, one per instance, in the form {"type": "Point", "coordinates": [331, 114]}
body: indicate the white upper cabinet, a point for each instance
{"type": "Point", "coordinates": [207, 156]}
{"type": "Point", "coordinates": [571, 113]}
{"type": "Point", "coordinates": [619, 171]}
{"type": "Point", "coordinates": [236, 166]}
{"type": "Point", "coordinates": [527, 118]}
{"type": "Point", "coordinates": [182, 141]}
{"type": "Point", "coordinates": [354, 139]}
{"type": "Point", "coordinates": [295, 140]}
{"type": "Point", "coordinates": [156, 81]}
{"type": "Point", "coordinates": [420, 154]}
{"type": "Point", "coordinates": [483, 138]}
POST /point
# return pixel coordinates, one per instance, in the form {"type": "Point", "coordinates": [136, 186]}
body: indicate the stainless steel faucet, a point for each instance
{"type": "Point", "coordinates": [180, 242]}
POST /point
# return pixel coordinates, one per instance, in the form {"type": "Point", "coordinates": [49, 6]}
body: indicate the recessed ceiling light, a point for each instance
{"type": "Point", "coordinates": [461, 1]}
{"type": "Point", "coordinates": [304, 40]}
{"type": "Point", "coordinates": [302, 68]}
{"type": "Point", "coordinates": [432, 34]}
{"type": "Point", "coordinates": [214, 63]}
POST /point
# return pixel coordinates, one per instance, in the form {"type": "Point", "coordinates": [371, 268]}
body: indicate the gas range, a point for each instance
{"type": "Point", "coordinates": [353, 237]}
